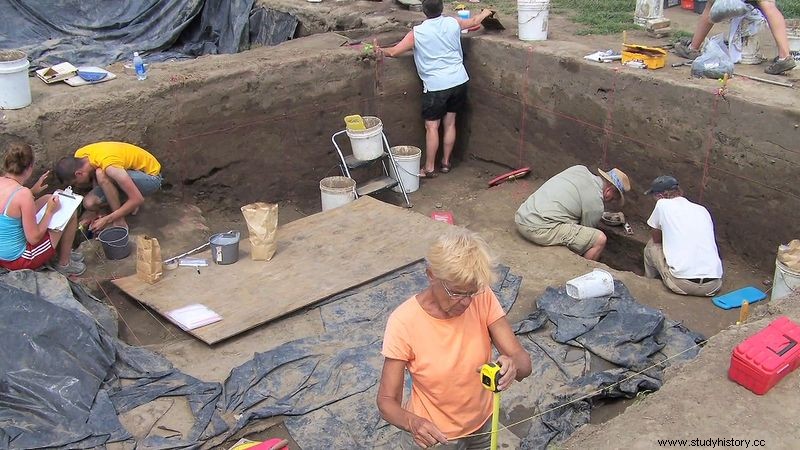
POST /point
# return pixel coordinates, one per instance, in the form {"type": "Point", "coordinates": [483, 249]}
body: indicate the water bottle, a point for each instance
{"type": "Point", "coordinates": [138, 66]}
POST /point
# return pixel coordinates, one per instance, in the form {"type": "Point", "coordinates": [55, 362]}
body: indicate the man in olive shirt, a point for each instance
{"type": "Point", "coordinates": [567, 207]}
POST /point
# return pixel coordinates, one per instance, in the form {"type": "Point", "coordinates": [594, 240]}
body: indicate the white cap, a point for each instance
{"type": "Point", "coordinates": [135, 53]}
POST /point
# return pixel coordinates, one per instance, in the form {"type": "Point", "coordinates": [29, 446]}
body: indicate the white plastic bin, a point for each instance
{"type": "Point", "coordinates": [336, 191]}
{"type": "Point", "coordinates": [367, 144]}
{"type": "Point", "coordinates": [532, 16]}
{"type": "Point", "coordinates": [15, 87]}
{"type": "Point", "coordinates": [407, 158]}
{"type": "Point", "coordinates": [597, 283]}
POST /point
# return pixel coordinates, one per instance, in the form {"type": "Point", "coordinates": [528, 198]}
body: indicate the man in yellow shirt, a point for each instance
{"type": "Point", "coordinates": [111, 167]}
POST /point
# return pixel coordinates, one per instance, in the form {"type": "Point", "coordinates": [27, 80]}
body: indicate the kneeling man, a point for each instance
{"type": "Point", "coordinates": [112, 166]}
{"type": "Point", "coordinates": [566, 209]}
{"type": "Point", "coordinates": [683, 251]}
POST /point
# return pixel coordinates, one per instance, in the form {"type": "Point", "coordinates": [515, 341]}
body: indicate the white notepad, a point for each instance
{"type": "Point", "coordinates": [69, 204]}
{"type": "Point", "coordinates": [193, 316]}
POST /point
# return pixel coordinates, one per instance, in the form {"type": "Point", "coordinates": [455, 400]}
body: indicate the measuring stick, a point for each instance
{"type": "Point", "coordinates": [495, 420]}
{"type": "Point", "coordinates": [764, 80]}
{"type": "Point", "coordinates": [187, 253]}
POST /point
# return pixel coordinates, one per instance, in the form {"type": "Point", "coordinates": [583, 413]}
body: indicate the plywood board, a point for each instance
{"type": "Point", "coordinates": [318, 256]}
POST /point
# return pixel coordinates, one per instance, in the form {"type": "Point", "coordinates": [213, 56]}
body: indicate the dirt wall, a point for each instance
{"type": "Point", "coordinates": [740, 155]}
{"type": "Point", "coordinates": [233, 128]}
{"type": "Point", "coordinates": [257, 126]}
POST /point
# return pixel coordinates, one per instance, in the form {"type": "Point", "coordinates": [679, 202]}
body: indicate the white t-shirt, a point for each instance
{"type": "Point", "coordinates": [687, 237]}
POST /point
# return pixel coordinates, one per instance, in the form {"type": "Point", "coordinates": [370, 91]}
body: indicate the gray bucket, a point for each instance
{"type": "Point", "coordinates": [115, 242]}
{"type": "Point", "coordinates": [225, 247]}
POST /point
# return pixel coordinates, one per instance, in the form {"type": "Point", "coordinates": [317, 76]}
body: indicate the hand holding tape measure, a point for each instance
{"type": "Point", "coordinates": [504, 369]}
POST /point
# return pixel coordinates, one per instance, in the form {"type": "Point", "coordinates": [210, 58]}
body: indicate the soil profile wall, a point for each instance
{"type": "Point", "coordinates": [577, 112]}
{"type": "Point", "coordinates": [257, 126]}
{"type": "Point", "coordinates": [254, 126]}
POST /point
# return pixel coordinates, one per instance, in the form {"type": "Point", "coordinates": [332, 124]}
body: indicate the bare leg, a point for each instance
{"type": "Point", "coordinates": [109, 189]}
{"type": "Point", "coordinates": [63, 240]}
{"type": "Point", "coordinates": [431, 144]}
{"type": "Point", "coordinates": [777, 25]}
{"type": "Point", "coordinates": [597, 249]}
{"type": "Point", "coordinates": [702, 29]}
{"type": "Point", "coordinates": [112, 195]}
{"type": "Point", "coordinates": [449, 123]}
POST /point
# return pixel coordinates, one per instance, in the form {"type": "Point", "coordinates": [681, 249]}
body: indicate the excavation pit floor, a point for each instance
{"type": "Point", "coordinates": [464, 192]}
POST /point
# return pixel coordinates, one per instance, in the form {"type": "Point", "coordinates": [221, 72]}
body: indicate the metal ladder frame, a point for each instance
{"type": "Point", "coordinates": [387, 152]}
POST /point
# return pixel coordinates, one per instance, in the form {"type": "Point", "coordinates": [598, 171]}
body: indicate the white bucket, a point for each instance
{"type": "Point", "coordinates": [367, 144]}
{"type": "Point", "coordinates": [407, 158]}
{"type": "Point", "coordinates": [751, 50]}
{"type": "Point", "coordinates": [532, 16]}
{"type": "Point", "coordinates": [336, 191]}
{"type": "Point", "coordinates": [648, 10]}
{"type": "Point", "coordinates": [15, 87]}
{"type": "Point", "coordinates": [793, 33]}
{"type": "Point", "coordinates": [597, 283]}
{"type": "Point", "coordinates": [785, 281]}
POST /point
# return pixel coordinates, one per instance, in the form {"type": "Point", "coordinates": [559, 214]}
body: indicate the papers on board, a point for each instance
{"type": "Point", "coordinates": [193, 316]}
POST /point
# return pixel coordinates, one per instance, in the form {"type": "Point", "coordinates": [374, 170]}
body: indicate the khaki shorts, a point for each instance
{"type": "Point", "coordinates": [655, 266]}
{"type": "Point", "coordinates": [480, 442]}
{"type": "Point", "coordinates": [577, 238]}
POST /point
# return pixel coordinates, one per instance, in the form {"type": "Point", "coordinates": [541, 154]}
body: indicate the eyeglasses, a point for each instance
{"type": "Point", "coordinates": [459, 295]}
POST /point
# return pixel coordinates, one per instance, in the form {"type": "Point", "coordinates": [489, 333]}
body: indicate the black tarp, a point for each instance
{"type": "Point", "coordinates": [99, 32]}
{"type": "Point", "coordinates": [325, 385]}
{"type": "Point", "coordinates": [64, 379]}
{"type": "Point", "coordinates": [585, 350]}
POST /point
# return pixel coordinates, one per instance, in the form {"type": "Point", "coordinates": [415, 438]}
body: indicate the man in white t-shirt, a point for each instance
{"type": "Point", "coordinates": [440, 64]}
{"type": "Point", "coordinates": [682, 251]}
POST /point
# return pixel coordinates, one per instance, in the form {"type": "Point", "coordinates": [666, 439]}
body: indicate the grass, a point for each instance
{"type": "Point", "coordinates": [598, 16]}
{"type": "Point", "coordinates": [593, 16]}
{"type": "Point", "coordinates": [678, 35]}
{"type": "Point", "coordinates": [790, 8]}
{"type": "Point", "coordinates": [601, 16]}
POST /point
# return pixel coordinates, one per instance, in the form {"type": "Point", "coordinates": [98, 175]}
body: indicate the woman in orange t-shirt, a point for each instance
{"type": "Point", "coordinates": [442, 336]}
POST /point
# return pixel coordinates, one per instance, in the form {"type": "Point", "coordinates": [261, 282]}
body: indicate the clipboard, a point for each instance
{"type": "Point", "coordinates": [69, 204]}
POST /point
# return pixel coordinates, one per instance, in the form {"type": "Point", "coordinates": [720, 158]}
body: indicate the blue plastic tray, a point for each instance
{"type": "Point", "coordinates": [734, 299]}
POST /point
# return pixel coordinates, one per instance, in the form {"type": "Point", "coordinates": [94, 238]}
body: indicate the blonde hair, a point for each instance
{"type": "Point", "coordinates": [462, 257]}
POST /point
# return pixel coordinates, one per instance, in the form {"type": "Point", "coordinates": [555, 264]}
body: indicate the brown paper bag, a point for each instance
{"type": "Point", "coordinates": [148, 259]}
{"type": "Point", "coordinates": [262, 222]}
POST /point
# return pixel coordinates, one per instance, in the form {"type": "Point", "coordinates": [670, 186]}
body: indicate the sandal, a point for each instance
{"type": "Point", "coordinates": [445, 168]}
{"type": "Point", "coordinates": [425, 174]}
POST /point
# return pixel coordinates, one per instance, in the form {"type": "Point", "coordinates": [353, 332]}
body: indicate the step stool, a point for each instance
{"type": "Point", "coordinates": [348, 162]}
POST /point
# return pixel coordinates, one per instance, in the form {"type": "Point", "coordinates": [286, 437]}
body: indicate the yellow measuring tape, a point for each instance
{"type": "Point", "coordinates": [490, 379]}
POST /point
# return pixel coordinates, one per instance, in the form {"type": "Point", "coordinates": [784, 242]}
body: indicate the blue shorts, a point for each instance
{"type": "Point", "coordinates": [147, 184]}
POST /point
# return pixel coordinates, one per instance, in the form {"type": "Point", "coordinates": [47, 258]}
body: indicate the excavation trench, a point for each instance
{"type": "Point", "coordinates": [256, 126]}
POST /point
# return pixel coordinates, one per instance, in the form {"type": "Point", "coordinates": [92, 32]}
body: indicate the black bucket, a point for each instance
{"type": "Point", "coordinates": [115, 242]}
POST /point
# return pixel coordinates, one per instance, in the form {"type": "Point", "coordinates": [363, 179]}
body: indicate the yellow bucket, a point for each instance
{"type": "Point", "coordinates": [355, 123]}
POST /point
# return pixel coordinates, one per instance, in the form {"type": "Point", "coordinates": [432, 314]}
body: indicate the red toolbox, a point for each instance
{"type": "Point", "coordinates": [762, 360]}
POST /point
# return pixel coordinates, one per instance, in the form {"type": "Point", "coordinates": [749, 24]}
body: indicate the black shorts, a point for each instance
{"type": "Point", "coordinates": [436, 104]}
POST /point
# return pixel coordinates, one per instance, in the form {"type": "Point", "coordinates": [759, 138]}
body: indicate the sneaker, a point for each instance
{"type": "Point", "coordinates": [73, 268]}
{"type": "Point", "coordinates": [779, 66]}
{"type": "Point", "coordinates": [76, 256]}
{"type": "Point", "coordinates": [684, 50]}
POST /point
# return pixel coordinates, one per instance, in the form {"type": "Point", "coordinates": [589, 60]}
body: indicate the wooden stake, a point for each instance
{"type": "Point", "coordinates": [744, 312]}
